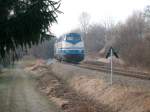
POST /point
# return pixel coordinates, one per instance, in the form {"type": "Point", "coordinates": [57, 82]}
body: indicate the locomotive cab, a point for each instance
{"type": "Point", "coordinates": [70, 48]}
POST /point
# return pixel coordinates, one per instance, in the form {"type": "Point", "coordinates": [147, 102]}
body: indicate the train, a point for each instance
{"type": "Point", "coordinates": [70, 48]}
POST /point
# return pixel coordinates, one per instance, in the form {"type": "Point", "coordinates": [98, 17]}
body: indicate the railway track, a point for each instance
{"type": "Point", "coordinates": [103, 67]}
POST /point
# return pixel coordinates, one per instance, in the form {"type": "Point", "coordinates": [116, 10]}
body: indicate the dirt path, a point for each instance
{"type": "Point", "coordinates": [18, 94]}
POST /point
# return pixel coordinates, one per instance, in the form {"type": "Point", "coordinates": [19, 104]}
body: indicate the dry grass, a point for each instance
{"type": "Point", "coordinates": [125, 95]}
{"type": "Point", "coordinates": [65, 97]}
{"type": "Point", "coordinates": [78, 90]}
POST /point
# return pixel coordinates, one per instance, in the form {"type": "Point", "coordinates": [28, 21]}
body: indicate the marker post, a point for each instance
{"type": "Point", "coordinates": [110, 54]}
{"type": "Point", "coordinates": [111, 66]}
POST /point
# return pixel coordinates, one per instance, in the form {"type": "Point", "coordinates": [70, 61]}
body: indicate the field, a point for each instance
{"type": "Point", "coordinates": [77, 89]}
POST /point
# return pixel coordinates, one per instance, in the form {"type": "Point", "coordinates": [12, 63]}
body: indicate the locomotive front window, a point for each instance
{"type": "Point", "coordinates": [70, 38]}
{"type": "Point", "coordinates": [73, 38]}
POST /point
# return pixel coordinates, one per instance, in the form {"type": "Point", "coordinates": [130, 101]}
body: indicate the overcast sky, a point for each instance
{"type": "Point", "coordinates": [99, 10]}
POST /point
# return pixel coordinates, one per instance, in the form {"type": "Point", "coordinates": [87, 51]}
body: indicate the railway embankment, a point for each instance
{"type": "Point", "coordinates": [83, 90]}
{"type": "Point", "coordinates": [62, 94]}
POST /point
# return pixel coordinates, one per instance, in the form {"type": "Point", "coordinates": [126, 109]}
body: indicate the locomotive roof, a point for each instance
{"type": "Point", "coordinates": [73, 34]}
{"type": "Point", "coordinates": [68, 35]}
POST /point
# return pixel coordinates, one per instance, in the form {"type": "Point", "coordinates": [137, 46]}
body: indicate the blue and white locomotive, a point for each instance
{"type": "Point", "coordinates": [70, 48]}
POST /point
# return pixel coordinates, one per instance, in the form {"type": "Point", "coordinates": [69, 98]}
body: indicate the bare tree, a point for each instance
{"type": "Point", "coordinates": [95, 38]}
{"type": "Point", "coordinates": [110, 32]}
{"type": "Point", "coordinates": [76, 30]}
{"type": "Point", "coordinates": [130, 40]}
{"type": "Point", "coordinates": [84, 20]}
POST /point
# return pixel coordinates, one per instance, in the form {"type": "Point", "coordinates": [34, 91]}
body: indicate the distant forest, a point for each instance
{"type": "Point", "coordinates": [131, 38]}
